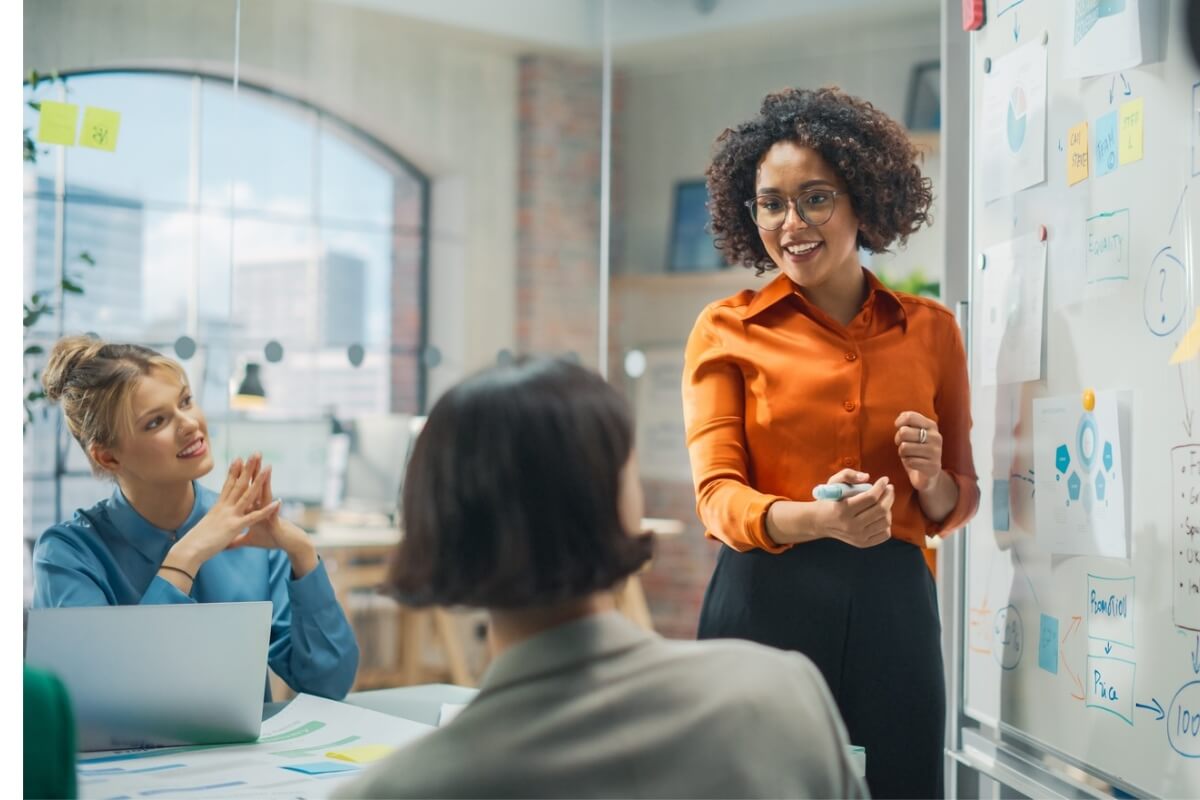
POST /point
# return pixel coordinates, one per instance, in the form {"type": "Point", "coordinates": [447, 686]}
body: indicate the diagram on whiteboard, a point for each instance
{"type": "Point", "coordinates": [1012, 123]}
{"type": "Point", "coordinates": [1080, 496]}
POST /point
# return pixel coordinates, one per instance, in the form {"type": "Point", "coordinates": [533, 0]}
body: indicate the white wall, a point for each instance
{"type": "Point", "coordinates": [674, 109]}
{"type": "Point", "coordinates": [445, 101]}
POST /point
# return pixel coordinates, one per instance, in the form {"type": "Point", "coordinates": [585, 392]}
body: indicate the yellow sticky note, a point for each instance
{"type": "Point", "coordinates": [363, 754]}
{"type": "Point", "coordinates": [100, 128]}
{"type": "Point", "coordinates": [1130, 136]}
{"type": "Point", "coordinates": [56, 123]}
{"type": "Point", "coordinates": [1077, 154]}
{"type": "Point", "coordinates": [1190, 346]}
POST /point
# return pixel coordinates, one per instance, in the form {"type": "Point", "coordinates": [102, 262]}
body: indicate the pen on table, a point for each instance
{"type": "Point", "coordinates": [839, 491]}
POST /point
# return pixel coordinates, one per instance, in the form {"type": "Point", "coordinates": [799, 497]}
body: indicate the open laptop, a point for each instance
{"type": "Point", "coordinates": [157, 675]}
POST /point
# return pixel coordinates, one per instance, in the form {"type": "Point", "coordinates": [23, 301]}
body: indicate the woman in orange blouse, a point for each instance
{"type": "Point", "coordinates": [825, 376]}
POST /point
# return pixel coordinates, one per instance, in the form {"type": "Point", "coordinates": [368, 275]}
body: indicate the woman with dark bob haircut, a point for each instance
{"type": "Point", "coordinates": [522, 496]}
{"type": "Point", "coordinates": [825, 376]}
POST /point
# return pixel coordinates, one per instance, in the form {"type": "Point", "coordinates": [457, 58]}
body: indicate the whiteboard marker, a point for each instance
{"type": "Point", "coordinates": [839, 491]}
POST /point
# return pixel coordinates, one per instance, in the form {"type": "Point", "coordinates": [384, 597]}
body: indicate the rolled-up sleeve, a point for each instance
{"type": "Point", "coordinates": [312, 645]}
{"type": "Point", "coordinates": [714, 417]}
{"type": "Point", "coordinates": [953, 406]}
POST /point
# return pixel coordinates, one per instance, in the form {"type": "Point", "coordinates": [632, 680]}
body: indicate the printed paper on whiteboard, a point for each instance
{"type": "Point", "coordinates": [1012, 125]}
{"type": "Point", "coordinates": [1102, 36]}
{"type": "Point", "coordinates": [1079, 474]}
{"type": "Point", "coordinates": [1010, 297]}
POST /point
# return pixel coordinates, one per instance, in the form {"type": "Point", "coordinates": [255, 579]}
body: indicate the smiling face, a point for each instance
{"type": "Point", "coordinates": [167, 440]}
{"type": "Point", "coordinates": [811, 255]}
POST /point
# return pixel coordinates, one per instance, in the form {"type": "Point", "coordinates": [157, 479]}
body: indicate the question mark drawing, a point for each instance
{"type": "Point", "coordinates": [1162, 287]}
{"type": "Point", "coordinates": [1164, 313]}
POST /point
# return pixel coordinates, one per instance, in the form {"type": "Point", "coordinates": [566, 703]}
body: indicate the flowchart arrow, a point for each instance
{"type": "Point", "coordinates": [1187, 411]}
{"type": "Point", "coordinates": [1156, 708]}
{"type": "Point", "coordinates": [1196, 656]}
{"type": "Point", "coordinates": [1107, 648]}
{"type": "Point", "coordinates": [1016, 27]}
{"type": "Point", "coordinates": [1111, 90]}
{"type": "Point", "coordinates": [1128, 90]}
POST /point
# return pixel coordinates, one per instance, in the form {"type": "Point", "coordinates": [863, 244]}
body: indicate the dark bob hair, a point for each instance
{"type": "Point", "coordinates": [867, 148]}
{"type": "Point", "coordinates": [511, 496]}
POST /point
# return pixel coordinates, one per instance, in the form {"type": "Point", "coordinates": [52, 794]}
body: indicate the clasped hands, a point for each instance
{"type": "Point", "coordinates": [244, 515]}
{"type": "Point", "coordinates": [865, 520]}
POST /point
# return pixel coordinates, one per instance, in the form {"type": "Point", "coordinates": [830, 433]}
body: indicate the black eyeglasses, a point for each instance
{"type": "Point", "coordinates": [770, 210]}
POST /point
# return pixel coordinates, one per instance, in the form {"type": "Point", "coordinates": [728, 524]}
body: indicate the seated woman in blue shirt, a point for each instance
{"type": "Point", "coordinates": [163, 538]}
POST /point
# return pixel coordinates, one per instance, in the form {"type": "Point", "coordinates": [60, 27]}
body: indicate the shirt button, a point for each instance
{"type": "Point", "coordinates": [851, 356]}
{"type": "Point", "coordinates": [850, 405]}
{"type": "Point", "coordinates": [847, 462]}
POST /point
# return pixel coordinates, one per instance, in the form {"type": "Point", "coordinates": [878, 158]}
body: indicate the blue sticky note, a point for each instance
{"type": "Point", "coordinates": [1048, 645]}
{"type": "Point", "coordinates": [321, 767]}
{"type": "Point", "coordinates": [1000, 505]}
{"type": "Point", "coordinates": [1104, 144]}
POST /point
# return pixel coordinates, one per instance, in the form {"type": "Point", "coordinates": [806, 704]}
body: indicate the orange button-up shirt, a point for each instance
{"type": "Point", "coordinates": [778, 396]}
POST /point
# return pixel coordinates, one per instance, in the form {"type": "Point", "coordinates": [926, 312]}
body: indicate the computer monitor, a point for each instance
{"type": "Point", "coordinates": [296, 450]}
{"type": "Point", "coordinates": [379, 449]}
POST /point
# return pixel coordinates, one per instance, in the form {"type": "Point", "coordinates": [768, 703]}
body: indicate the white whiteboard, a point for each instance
{"type": "Point", "coordinates": [1084, 674]}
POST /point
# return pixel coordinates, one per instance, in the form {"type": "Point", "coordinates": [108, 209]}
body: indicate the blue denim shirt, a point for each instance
{"type": "Point", "coordinates": [109, 555]}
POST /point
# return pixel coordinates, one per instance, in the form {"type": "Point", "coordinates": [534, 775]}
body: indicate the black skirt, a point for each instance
{"type": "Point", "coordinates": [869, 620]}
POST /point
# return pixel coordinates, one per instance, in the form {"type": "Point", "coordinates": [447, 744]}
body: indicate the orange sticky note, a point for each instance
{"type": "Point", "coordinates": [57, 122]}
{"type": "Point", "coordinates": [1077, 154]}
{"type": "Point", "coordinates": [100, 128]}
{"type": "Point", "coordinates": [1132, 127]}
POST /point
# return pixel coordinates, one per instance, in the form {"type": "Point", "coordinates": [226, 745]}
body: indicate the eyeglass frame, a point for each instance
{"type": "Point", "coordinates": [792, 200]}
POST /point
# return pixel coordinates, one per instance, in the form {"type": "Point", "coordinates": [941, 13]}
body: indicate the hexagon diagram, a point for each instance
{"type": "Point", "coordinates": [1073, 485]}
{"type": "Point", "coordinates": [1062, 458]}
{"type": "Point", "coordinates": [1108, 456]}
{"type": "Point", "coordinates": [1100, 487]}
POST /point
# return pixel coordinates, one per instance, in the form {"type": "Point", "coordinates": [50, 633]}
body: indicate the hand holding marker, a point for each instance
{"type": "Point", "coordinates": [839, 491]}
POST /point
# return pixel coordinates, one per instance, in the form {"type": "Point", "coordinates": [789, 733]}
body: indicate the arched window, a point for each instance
{"type": "Point", "coordinates": [232, 227]}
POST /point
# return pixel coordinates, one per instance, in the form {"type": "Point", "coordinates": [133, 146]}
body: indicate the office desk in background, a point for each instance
{"type": "Point", "coordinates": [397, 641]}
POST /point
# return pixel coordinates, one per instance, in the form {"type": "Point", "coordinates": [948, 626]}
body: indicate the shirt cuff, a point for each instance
{"type": "Point", "coordinates": [964, 508]}
{"type": "Point", "coordinates": [313, 590]}
{"type": "Point", "coordinates": [755, 532]}
{"type": "Point", "coordinates": [162, 592]}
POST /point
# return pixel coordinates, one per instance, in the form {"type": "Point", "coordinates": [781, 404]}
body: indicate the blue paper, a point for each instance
{"type": "Point", "coordinates": [1048, 645]}
{"type": "Point", "coordinates": [1104, 144]}
{"type": "Point", "coordinates": [1000, 505]}
{"type": "Point", "coordinates": [321, 768]}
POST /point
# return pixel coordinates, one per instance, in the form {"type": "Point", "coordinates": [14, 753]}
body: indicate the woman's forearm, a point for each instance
{"type": "Point", "coordinates": [939, 500]}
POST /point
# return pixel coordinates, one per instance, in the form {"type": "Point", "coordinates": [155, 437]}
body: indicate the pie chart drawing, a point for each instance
{"type": "Point", "coordinates": [1016, 119]}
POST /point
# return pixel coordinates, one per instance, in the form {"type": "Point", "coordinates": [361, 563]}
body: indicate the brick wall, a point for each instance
{"type": "Point", "coordinates": [558, 208]}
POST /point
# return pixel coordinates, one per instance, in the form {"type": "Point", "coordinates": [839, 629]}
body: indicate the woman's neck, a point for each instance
{"type": "Point", "coordinates": [841, 297]}
{"type": "Point", "coordinates": [510, 627]}
{"type": "Point", "coordinates": [164, 506]}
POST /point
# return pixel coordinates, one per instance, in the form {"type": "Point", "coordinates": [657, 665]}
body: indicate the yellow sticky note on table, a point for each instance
{"type": "Point", "coordinates": [1130, 132]}
{"type": "Point", "coordinates": [100, 128]}
{"type": "Point", "coordinates": [57, 122]}
{"type": "Point", "coordinates": [363, 754]}
{"type": "Point", "coordinates": [1077, 154]}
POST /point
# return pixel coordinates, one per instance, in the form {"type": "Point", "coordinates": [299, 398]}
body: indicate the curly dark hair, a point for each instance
{"type": "Point", "coordinates": [867, 148]}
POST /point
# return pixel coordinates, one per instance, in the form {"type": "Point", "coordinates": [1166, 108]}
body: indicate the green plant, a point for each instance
{"type": "Point", "coordinates": [30, 148]}
{"type": "Point", "coordinates": [914, 283]}
{"type": "Point", "coordinates": [38, 306]}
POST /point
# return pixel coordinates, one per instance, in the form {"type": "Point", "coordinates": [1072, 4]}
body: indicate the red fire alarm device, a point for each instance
{"type": "Point", "coordinates": [972, 14]}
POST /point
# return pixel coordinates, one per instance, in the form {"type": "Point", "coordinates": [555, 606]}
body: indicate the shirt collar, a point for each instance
{"type": "Point", "coordinates": [781, 286]}
{"type": "Point", "coordinates": [582, 640]}
{"type": "Point", "coordinates": [137, 530]}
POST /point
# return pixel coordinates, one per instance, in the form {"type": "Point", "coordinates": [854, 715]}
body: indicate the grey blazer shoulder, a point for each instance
{"type": "Point", "coordinates": [601, 708]}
